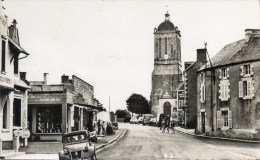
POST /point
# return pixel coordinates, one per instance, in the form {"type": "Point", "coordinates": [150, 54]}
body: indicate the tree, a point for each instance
{"type": "Point", "coordinates": [137, 103]}
{"type": "Point", "coordinates": [122, 113]}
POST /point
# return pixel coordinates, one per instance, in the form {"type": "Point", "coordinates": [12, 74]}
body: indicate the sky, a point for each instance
{"type": "Point", "coordinates": [109, 43]}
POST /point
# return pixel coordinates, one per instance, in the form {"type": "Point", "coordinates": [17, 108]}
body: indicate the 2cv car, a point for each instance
{"type": "Point", "coordinates": [77, 146]}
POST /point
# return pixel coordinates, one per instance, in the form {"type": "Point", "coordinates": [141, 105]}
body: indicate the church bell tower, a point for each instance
{"type": "Point", "coordinates": [167, 67]}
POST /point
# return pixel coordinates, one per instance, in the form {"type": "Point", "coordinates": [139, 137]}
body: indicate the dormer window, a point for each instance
{"type": "Point", "coordinates": [247, 69]}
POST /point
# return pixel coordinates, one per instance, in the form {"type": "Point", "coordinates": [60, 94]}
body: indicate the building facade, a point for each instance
{"type": "Point", "coordinates": [229, 99]}
{"type": "Point", "coordinates": [167, 68]}
{"type": "Point", "coordinates": [58, 109]}
{"type": "Point", "coordinates": [190, 74]}
{"type": "Point", "coordinates": [13, 87]}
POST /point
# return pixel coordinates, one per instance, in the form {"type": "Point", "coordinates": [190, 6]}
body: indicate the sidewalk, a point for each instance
{"type": "Point", "coordinates": [49, 150]}
{"type": "Point", "coordinates": [192, 133]}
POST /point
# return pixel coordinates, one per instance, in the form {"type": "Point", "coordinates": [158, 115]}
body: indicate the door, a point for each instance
{"type": "Point", "coordinates": [167, 108]}
{"type": "Point", "coordinates": [203, 122]}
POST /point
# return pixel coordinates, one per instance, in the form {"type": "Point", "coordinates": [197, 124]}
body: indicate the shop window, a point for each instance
{"type": "Point", "coordinates": [5, 116]}
{"type": "Point", "coordinates": [17, 112]}
{"type": "Point", "coordinates": [76, 118]}
{"type": "Point", "coordinates": [49, 119]}
{"type": "Point", "coordinates": [3, 55]}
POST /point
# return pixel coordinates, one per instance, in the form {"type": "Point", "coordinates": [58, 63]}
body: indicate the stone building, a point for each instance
{"type": "Point", "coordinates": [167, 67]}
{"type": "Point", "coordinates": [57, 109]}
{"type": "Point", "coordinates": [190, 88]}
{"type": "Point", "coordinates": [229, 99]}
{"type": "Point", "coordinates": [13, 86]}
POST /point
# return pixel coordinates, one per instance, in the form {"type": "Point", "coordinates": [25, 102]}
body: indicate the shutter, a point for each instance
{"type": "Point", "coordinates": [242, 71]}
{"type": "Point", "coordinates": [229, 119]}
{"type": "Point", "coordinates": [201, 93]}
{"type": "Point", "coordinates": [252, 89]}
{"type": "Point", "coordinates": [248, 89]}
{"type": "Point", "coordinates": [220, 91]}
{"type": "Point", "coordinates": [227, 72]}
{"type": "Point", "coordinates": [251, 69]}
{"type": "Point", "coordinates": [220, 74]}
{"type": "Point", "coordinates": [218, 119]}
{"type": "Point", "coordinates": [199, 120]}
{"type": "Point", "coordinates": [204, 93]}
{"type": "Point", "coordinates": [228, 90]}
{"type": "Point", "coordinates": [240, 88]}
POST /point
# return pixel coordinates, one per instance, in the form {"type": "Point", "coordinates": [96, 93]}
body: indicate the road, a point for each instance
{"type": "Point", "coordinates": [148, 143]}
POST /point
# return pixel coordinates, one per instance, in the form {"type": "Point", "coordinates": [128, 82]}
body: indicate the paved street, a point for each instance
{"type": "Point", "coordinates": [145, 142]}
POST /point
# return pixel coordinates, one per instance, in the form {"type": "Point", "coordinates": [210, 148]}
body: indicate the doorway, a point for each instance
{"type": "Point", "coordinates": [203, 122]}
{"type": "Point", "coordinates": [167, 108]}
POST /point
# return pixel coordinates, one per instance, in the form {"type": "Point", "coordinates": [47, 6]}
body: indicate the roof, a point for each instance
{"type": "Point", "coordinates": [236, 52]}
{"type": "Point", "coordinates": [167, 25]}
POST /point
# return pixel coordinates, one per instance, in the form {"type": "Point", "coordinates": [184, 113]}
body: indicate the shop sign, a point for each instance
{"type": "Point", "coordinates": [18, 133]}
{"type": "Point", "coordinates": [6, 82]}
{"type": "Point", "coordinates": [25, 133]}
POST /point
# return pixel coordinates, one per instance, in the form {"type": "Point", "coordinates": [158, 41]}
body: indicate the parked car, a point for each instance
{"type": "Point", "coordinates": [127, 119]}
{"type": "Point", "coordinates": [152, 122]}
{"type": "Point", "coordinates": [146, 118]}
{"type": "Point", "coordinates": [140, 120]}
{"type": "Point", "coordinates": [133, 120]}
{"type": "Point", "coordinates": [77, 145]}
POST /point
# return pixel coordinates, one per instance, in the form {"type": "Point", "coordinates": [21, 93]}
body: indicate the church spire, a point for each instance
{"type": "Point", "coordinates": [167, 16]}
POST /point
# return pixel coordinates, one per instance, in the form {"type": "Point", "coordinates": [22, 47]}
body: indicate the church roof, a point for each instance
{"type": "Point", "coordinates": [167, 25]}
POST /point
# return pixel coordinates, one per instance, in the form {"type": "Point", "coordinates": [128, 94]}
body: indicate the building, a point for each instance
{"type": "Point", "coordinates": [167, 67]}
{"type": "Point", "coordinates": [13, 87]}
{"type": "Point", "coordinates": [229, 87]}
{"type": "Point", "coordinates": [190, 88]}
{"type": "Point", "coordinates": [57, 109]}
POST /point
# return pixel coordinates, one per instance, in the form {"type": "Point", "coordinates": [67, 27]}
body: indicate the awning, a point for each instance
{"type": "Point", "coordinates": [83, 103]}
{"type": "Point", "coordinates": [6, 88]}
{"type": "Point", "coordinates": [16, 46]}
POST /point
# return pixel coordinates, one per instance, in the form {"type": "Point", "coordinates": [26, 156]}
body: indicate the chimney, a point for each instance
{"type": "Point", "coordinates": [23, 75]}
{"type": "Point", "coordinates": [64, 79]}
{"type": "Point", "coordinates": [250, 33]}
{"type": "Point", "coordinates": [202, 55]}
{"type": "Point", "coordinates": [45, 77]}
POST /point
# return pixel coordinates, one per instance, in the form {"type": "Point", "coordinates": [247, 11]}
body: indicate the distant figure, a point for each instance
{"type": "Point", "coordinates": [109, 129]}
{"type": "Point", "coordinates": [172, 126]}
{"type": "Point", "coordinates": [103, 128]}
{"type": "Point", "coordinates": [99, 126]}
{"type": "Point", "coordinates": [166, 123]}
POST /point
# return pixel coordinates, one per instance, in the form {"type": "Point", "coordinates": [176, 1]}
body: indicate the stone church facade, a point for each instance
{"type": "Point", "coordinates": [167, 68]}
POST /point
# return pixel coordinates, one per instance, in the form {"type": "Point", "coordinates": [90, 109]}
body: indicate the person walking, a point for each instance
{"type": "Point", "coordinates": [99, 126]}
{"type": "Point", "coordinates": [172, 126]}
{"type": "Point", "coordinates": [103, 128]}
{"type": "Point", "coordinates": [166, 123]}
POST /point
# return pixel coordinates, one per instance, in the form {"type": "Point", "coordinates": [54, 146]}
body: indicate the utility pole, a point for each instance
{"type": "Point", "coordinates": [109, 108]}
{"type": "Point", "coordinates": [212, 77]}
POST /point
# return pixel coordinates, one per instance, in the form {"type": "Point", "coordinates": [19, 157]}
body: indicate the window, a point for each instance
{"type": "Point", "coordinates": [224, 118]}
{"type": "Point", "coordinates": [17, 112]}
{"type": "Point", "coordinates": [172, 50]}
{"type": "Point", "coordinates": [246, 70]}
{"type": "Point", "coordinates": [202, 88]}
{"type": "Point", "coordinates": [49, 119]}
{"type": "Point", "coordinates": [224, 72]}
{"type": "Point", "coordinates": [165, 45]}
{"type": "Point", "coordinates": [160, 54]}
{"type": "Point", "coordinates": [5, 126]}
{"type": "Point", "coordinates": [246, 89]}
{"type": "Point", "coordinates": [224, 90]}
{"type": "Point", "coordinates": [3, 55]}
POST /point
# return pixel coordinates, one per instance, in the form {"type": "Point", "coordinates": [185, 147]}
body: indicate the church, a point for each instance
{"type": "Point", "coordinates": [167, 72]}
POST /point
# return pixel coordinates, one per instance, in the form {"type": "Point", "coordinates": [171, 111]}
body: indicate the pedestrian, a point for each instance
{"type": "Point", "coordinates": [99, 126]}
{"type": "Point", "coordinates": [166, 123]}
{"type": "Point", "coordinates": [172, 126]}
{"type": "Point", "coordinates": [103, 128]}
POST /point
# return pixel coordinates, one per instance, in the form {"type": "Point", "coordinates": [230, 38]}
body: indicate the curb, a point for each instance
{"type": "Point", "coordinates": [220, 138]}
{"type": "Point", "coordinates": [100, 147]}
